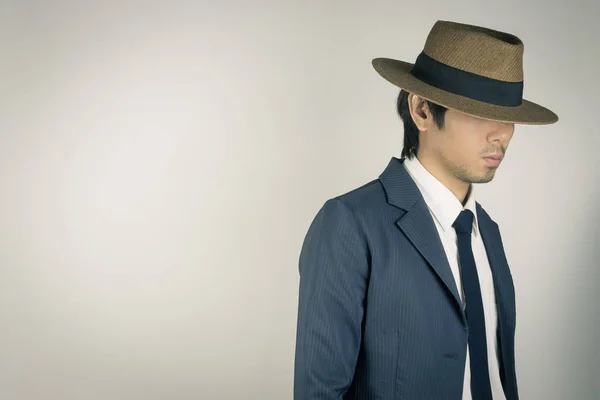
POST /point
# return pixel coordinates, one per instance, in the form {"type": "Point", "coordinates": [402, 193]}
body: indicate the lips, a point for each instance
{"type": "Point", "coordinates": [495, 157]}
{"type": "Point", "coordinates": [494, 162]}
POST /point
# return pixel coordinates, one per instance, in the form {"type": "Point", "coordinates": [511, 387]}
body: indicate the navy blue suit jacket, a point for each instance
{"type": "Point", "coordinates": [379, 315]}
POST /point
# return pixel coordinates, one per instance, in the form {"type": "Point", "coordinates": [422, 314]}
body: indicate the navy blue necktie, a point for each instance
{"type": "Point", "coordinates": [480, 376]}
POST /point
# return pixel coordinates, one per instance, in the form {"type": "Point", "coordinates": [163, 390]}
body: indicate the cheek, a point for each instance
{"type": "Point", "coordinates": [462, 147]}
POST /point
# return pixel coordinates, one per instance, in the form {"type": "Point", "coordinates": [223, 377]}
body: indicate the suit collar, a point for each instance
{"type": "Point", "coordinates": [419, 226]}
{"type": "Point", "coordinates": [400, 189]}
{"type": "Point", "coordinates": [443, 204]}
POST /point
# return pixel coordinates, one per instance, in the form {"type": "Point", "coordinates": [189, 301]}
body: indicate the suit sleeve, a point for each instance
{"type": "Point", "coordinates": [334, 268]}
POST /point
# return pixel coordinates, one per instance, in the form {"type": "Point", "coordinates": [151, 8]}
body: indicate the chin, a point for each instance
{"type": "Point", "coordinates": [478, 177]}
{"type": "Point", "coordinates": [485, 178]}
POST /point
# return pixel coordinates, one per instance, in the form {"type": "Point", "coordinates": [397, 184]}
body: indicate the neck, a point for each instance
{"type": "Point", "coordinates": [459, 188]}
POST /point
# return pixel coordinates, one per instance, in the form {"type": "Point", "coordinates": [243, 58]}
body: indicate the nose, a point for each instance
{"type": "Point", "coordinates": [502, 132]}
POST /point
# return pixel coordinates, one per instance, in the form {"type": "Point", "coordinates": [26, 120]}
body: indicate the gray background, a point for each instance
{"type": "Point", "coordinates": [160, 164]}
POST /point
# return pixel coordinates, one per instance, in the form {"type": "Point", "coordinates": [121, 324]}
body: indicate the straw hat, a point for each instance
{"type": "Point", "coordinates": [472, 69]}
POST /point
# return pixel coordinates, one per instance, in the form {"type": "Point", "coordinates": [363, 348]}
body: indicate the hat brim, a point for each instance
{"type": "Point", "coordinates": [398, 73]}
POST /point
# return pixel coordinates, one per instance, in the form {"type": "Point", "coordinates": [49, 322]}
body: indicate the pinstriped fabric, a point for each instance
{"type": "Point", "coordinates": [378, 314]}
{"type": "Point", "coordinates": [334, 268]}
{"type": "Point", "coordinates": [431, 248]}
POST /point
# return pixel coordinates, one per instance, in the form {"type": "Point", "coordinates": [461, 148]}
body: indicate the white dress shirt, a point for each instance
{"type": "Point", "coordinates": [445, 208]}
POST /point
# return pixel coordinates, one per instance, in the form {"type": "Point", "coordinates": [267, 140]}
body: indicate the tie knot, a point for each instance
{"type": "Point", "coordinates": [464, 222]}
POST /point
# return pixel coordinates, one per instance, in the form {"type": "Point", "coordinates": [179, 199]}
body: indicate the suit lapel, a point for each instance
{"type": "Point", "coordinates": [498, 264]}
{"type": "Point", "coordinates": [417, 223]}
{"type": "Point", "coordinates": [419, 227]}
{"type": "Point", "coordinates": [504, 298]}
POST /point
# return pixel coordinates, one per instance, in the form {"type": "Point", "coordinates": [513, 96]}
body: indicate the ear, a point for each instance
{"type": "Point", "coordinates": [420, 113]}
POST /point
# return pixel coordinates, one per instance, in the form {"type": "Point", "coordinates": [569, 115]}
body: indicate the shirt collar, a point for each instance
{"type": "Point", "coordinates": [444, 206]}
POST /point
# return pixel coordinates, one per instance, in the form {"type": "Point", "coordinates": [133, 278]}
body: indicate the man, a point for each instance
{"type": "Point", "coordinates": [405, 290]}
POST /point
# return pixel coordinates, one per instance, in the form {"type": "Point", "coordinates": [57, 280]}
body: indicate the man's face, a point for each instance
{"type": "Point", "coordinates": [464, 142]}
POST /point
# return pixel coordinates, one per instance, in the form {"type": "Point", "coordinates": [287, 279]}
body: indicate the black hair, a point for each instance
{"type": "Point", "coordinates": [411, 132]}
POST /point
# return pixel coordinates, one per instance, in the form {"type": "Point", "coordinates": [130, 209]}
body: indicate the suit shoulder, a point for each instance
{"type": "Point", "coordinates": [363, 202]}
{"type": "Point", "coordinates": [363, 196]}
